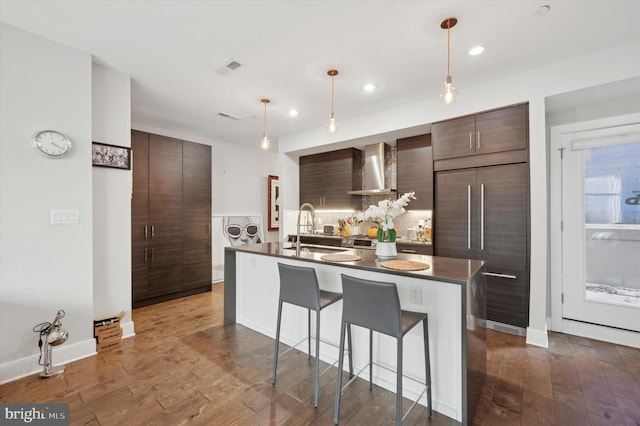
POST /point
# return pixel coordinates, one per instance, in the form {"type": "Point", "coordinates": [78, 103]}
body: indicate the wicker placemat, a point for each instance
{"type": "Point", "coordinates": [405, 265]}
{"type": "Point", "coordinates": [340, 257]}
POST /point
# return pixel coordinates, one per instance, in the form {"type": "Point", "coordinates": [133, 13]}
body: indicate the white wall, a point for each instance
{"type": "Point", "coordinates": [43, 267]}
{"type": "Point", "coordinates": [111, 124]}
{"type": "Point", "coordinates": [533, 86]}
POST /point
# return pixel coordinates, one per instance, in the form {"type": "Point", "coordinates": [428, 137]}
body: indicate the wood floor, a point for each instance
{"type": "Point", "coordinates": [184, 367]}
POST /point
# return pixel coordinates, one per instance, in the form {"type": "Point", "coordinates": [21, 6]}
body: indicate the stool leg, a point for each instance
{"type": "Point", "coordinates": [277, 344]}
{"type": "Point", "coordinates": [370, 359]}
{"type": "Point", "coordinates": [425, 327]}
{"type": "Point", "coordinates": [336, 411]}
{"type": "Point", "coordinates": [309, 333]}
{"type": "Point", "coordinates": [350, 351]}
{"type": "Point", "coordinates": [399, 383]}
{"type": "Point", "coordinates": [317, 363]}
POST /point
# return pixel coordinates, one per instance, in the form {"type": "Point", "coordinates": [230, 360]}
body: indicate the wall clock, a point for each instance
{"type": "Point", "coordinates": [51, 144]}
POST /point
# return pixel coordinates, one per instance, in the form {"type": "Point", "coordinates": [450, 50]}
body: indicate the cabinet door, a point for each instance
{"type": "Point", "coordinates": [454, 216]}
{"type": "Point", "coordinates": [502, 206]}
{"type": "Point", "coordinates": [311, 187]}
{"type": "Point", "coordinates": [340, 176]}
{"type": "Point", "coordinates": [196, 215]}
{"type": "Point", "coordinates": [502, 130]}
{"type": "Point", "coordinates": [140, 216]}
{"type": "Point", "coordinates": [165, 215]}
{"type": "Point", "coordinates": [165, 269]}
{"type": "Point", "coordinates": [415, 170]}
{"type": "Point", "coordinates": [165, 189]}
{"type": "Point", "coordinates": [454, 138]}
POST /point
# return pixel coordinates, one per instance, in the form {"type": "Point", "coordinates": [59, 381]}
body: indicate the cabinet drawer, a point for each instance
{"type": "Point", "coordinates": [426, 249]}
{"type": "Point", "coordinates": [508, 296]}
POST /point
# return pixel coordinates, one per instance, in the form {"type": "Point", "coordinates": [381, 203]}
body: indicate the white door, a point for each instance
{"type": "Point", "coordinates": [601, 228]}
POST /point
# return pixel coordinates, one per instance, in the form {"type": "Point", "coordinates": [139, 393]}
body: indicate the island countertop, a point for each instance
{"type": "Point", "coordinates": [446, 269]}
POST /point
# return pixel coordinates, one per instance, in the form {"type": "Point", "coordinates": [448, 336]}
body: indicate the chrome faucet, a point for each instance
{"type": "Point", "coordinates": [313, 220]}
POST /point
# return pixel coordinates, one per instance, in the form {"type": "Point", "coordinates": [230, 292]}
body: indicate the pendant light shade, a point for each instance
{"type": "Point", "coordinates": [449, 93]}
{"type": "Point", "coordinates": [265, 143]}
{"type": "Point", "coordinates": [332, 126]}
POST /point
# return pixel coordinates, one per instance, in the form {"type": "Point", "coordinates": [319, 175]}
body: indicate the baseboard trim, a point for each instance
{"type": "Point", "coordinates": [128, 329]}
{"type": "Point", "coordinates": [598, 332]}
{"type": "Point", "coordinates": [537, 337]}
{"type": "Point", "coordinates": [63, 354]}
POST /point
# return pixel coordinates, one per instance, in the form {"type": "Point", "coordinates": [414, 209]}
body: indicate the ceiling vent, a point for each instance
{"type": "Point", "coordinates": [228, 68]}
{"type": "Point", "coordinates": [229, 116]}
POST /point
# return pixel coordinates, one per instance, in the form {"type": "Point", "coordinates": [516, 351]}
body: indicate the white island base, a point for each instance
{"type": "Point", "coordinates": [457, 368]}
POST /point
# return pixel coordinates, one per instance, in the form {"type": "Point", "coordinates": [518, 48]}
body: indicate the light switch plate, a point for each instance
{"type": "Point", "coordinates": [65, 216]}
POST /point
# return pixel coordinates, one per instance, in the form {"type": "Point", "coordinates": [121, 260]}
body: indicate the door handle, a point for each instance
{"type": "Point", "coordinates": [153, 232]}
{"type": "Point", "coordinates": [145, 232]}
{"type": "Point", "coordinates": [470, 140]}
{"type": "Point", "coordinates": [468, 217]}
{"type": "Point", "coordinates": [482, 216]}
{"type": "Point", "coordinates": [493, 274]}
{"type": "Point", "coordinates": [145, 254]}
{"type": "Point", "coordinates": [408, 251]}
{"type": "Point", "coordinates": [478, 141]}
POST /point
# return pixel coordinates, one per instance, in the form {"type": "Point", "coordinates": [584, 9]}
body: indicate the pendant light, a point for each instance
{"type": "Point", "coordinates": [332, 126]}
{"type": "Point", "coordinates": [449, 93]}
{"type": "Point", "coordinates": [265, 143]}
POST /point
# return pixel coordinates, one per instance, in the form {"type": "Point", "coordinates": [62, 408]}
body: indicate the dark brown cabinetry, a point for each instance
{"type": "Point", "coordinates": [170, 224]}
{"type": "Point", "coordinates": [481, 208]}
{"type": "Point", "coordinates": [492, 137]}
{"type": "Point", "coordinates": [482, 213]}
{"type": "Point", "coordinates": [325, 179]}
{"type": "Point", "coordinates": [415, 170]}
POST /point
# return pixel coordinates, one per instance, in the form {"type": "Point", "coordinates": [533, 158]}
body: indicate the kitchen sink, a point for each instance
{"type": "Point", "coordinates": [316, 249]}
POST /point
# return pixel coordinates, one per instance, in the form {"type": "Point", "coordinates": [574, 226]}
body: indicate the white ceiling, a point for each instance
{"type": "Point", "coordinates": [174, 49]}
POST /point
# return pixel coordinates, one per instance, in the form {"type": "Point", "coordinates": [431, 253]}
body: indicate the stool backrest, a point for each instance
{"type": "Point", "coordinates": [372, 304]}
{"type": "Point", "coordinates": [299, 286]}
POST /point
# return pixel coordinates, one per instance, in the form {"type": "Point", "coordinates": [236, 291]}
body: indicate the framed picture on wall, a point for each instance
{"type": "Point", "coordinates": [232, 230]}
{"type": "Point", "coordinates": [116, 157]}
{"type": "Point", "coordinates": [274, 203]}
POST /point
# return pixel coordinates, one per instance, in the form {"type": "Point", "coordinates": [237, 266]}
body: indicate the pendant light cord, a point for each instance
{"type": "Point", "coordinates": [448, 47]}
{"type": "Point", "coordinates": [264, 131]}
{"type": "Point", "coordinates": [332, 91]}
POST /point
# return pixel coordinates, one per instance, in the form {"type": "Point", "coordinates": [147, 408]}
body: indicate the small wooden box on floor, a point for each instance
{"type": "Point", "coordinates": [108, 336]}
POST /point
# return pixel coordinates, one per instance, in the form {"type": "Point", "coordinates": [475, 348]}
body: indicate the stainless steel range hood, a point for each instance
{"type": "Point", "coordinates": [374, 167]}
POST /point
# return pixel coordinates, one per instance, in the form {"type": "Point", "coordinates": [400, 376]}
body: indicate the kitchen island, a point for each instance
{"type": "Point", "coordinates": [452, 291]}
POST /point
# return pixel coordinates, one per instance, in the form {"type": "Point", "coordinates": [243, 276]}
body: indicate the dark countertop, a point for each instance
{"type": "Point", "coordinates": [444, 269]}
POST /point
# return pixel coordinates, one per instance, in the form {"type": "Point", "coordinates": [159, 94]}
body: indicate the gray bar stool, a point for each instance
{"type": "Point", "coordinates": [375, 305]}
{"type": "Point", "coordinates": [299, 286]}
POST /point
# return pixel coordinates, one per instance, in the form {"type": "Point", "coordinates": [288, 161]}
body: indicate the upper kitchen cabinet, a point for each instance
{"type": "Point", "coordinates": [415, 170]}
{"type": "Point", "coordinates": [492, 137]}
{"type": "Point", "coordinates": [325, 179]}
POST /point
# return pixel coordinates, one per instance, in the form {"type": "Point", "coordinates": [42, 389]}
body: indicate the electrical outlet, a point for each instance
{"type": "Point", "coordinates": [415, 294]}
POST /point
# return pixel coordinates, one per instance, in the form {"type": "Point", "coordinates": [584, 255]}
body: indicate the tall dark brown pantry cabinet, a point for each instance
{"type": "Point", "coordinates": [482, 212]}
{"type": "Point", "coordinates": [171, 214]}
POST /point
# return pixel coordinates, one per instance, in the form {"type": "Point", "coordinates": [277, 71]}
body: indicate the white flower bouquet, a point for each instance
{"type": "Point", "coordinates": [384, 213]}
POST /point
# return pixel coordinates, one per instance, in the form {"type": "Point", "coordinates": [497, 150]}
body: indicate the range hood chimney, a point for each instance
{"type": "Point", "coordinates": [374, 166]}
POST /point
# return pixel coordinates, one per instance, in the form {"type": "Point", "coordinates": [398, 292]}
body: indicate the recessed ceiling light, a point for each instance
{"type": "Point", "coordinates": [476, 50]}
{"type": "Point", "coordinates": [369, 87]}
{"type": "Point", "coordinates": [293, 113]}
